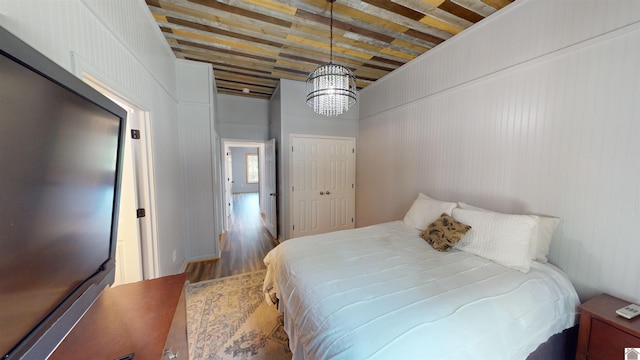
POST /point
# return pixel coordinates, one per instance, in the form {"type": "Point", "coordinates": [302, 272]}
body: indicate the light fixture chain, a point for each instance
{"type": "Point", "coordinates": [331, 89]}
{"type": "Point", "coordinates": [331, 36]}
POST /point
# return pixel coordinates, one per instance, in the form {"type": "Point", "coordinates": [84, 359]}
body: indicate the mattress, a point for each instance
{"type": "Point", "coordinates": [381, 292]}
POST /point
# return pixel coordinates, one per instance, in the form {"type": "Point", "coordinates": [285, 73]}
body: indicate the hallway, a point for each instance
{"type": "Point", "coordinates": [243, 248]}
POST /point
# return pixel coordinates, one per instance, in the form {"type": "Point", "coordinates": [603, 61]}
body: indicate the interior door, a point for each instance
{"type": "Point", "coordinates": [271, 216]}
{"type": "Point", "coordinates": [136, 250]}
{"type": "Point", "coordinates": [307, 187]}
{"type": "Point", "coordinates": [128, 248]}
{"type": "Point", "coordinates": [228, 184]}
{"type": "Point", "coordinates": [142, 160]}
{"type": "Point", "coordinates": [323, 185]}
{"type": "Point", "coordinates": [339, 183]}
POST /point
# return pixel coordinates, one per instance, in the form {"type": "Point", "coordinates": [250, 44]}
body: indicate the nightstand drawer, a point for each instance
{"type": "Point", "coordinates": [607, 342]}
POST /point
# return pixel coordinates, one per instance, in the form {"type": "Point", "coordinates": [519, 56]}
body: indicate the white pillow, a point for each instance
{"type": "Point", "coordinates": [541, 237]}
{"type": "Point", "coordinates": [533, 246]}
{"type": "Point", "coordinates": [426, 210]}
{"type": "Point", "coordinates": [503, 238]}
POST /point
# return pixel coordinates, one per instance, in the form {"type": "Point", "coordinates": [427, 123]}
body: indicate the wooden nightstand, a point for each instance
{"type": "Point", "coordinates": [603, 334]}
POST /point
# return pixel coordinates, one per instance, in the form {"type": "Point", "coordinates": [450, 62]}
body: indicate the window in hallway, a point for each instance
{"type": "Point", "coordinates": [252, 168]}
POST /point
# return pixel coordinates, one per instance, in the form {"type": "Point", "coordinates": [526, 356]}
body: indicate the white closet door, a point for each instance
{"type": "Point", "coordinates": [323, 185]}
{"type": "Point", "coordinates": [339, 185]}
{"type": "Point", "coordinates": [307, 183]}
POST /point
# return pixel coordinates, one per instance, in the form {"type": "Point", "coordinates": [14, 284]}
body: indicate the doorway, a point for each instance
{"type": "Point", "coordinates": [136, 249]}
{"type": "Point", "coordinates": [241, 158]}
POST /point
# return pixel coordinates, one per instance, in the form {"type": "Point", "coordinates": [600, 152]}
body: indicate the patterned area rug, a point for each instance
{"type": "Point", "coordinates": [228, 318]}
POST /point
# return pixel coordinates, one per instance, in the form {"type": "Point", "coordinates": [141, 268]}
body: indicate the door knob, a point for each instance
{"type": "Point", "coordinates": [328, 193]}
{"type": "Point", "coordinates": [273, 194]}
{"type": "Point", "coordinates": [321, 193]}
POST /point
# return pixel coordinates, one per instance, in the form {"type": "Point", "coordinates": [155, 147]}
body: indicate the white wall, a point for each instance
{"type": "Point", "coordinates": [199, 159]}
{"type": "Point", "coordinates": [296, 117]}
{"type": "Point", "coordinates": [533, 110]}
{"type": "Point", "coordinates": [239, 169]}
{"type": "Point", "coordinates": [243, 118]}
{"type": "Point", "coordinates": [119, 39]}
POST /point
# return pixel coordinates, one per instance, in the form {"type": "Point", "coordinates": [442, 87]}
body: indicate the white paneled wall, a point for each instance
{"type": "Point", "coordinates": [296, 117]}
{"type": "Point", "coordinates": [198, 159]}
{"type": "Point", "coordinates": [534, 110]}
{"type": "Point", "coordinates": [242, 118]}
{"type": "Point", "coordinates": [119, 40]}
{"type": "Point", "coordinates": [145, 43]}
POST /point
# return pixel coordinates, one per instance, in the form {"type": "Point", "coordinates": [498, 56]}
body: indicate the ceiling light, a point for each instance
{"type": "Point", "coordinates": [246, 90]}
{"type": "Point", "coordinates": [331, 88]}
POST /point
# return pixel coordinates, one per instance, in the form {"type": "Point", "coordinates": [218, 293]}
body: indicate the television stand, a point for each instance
{"type": "Point", "coordinates": [144, 318]}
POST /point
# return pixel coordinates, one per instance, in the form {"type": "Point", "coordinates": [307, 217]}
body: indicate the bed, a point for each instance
{"type": "Point", "coordinates": [382, 292]}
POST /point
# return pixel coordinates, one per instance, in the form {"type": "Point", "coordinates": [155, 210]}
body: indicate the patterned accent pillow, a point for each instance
{"type": "Point", "coordinates": [444, 233]}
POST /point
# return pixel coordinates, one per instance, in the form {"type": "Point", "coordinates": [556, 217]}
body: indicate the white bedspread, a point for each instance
{"type": "Point", "coordinates": [381, 292]}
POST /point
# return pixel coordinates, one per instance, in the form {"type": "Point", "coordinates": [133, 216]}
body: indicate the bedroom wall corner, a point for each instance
{"type": "Point", "coordinates": [521, 121]}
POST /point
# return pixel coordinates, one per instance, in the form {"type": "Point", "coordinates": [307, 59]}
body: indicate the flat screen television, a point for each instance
{"type": "Point", "coordinates": [61, 146]}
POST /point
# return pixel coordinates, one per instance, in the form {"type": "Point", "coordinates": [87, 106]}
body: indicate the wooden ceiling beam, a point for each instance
{"type": "Point", "coordinates": [460, 11]}
{"type": "Point", "coordinates": [197, 55]}
{"type": "Point", "coordinates": [346, 46]}
{"type": "Point", "coordinates": [252, 44]}
{"type": "Point", "coordinates": [218, 5]}
{"type": "Point", "coordinates": [243, 78]}
{"type": "Point", "coordinates": [497, 4]}
{"type": "Point", "coordinates": [362, 10]}
{"type": "Point", "coordinates": [373, 64]}
{"type": "Point", "coordinates": [230, 83]}
{"type": "Point", "coordinates": [479, 7]}
{"type": "Point", "coordinates": [179, 30]}
{"type": "Point", "coordinates": [363, 21]}
{"type": "Point", "coordinates": [300, 27]}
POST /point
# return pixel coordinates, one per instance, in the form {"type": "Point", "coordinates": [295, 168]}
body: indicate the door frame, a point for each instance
{"type": "Point", "coordinates": [271, 193]}
{"type": "Point", "coordinates": [225, 144]}
{"type": "Point", "coordinates": [289, 231]}
{"type": "Point", "coordinates": [102, 83]}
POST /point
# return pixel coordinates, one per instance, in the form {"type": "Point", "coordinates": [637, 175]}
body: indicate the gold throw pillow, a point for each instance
{"type": "Point", "coordinates": [444, 233]}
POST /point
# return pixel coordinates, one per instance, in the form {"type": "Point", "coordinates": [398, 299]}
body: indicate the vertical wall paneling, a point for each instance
{"type": "Point", "coordinates": [294, 116]}
{"type": "Point", "coordinates": [197, 138]}
{"type": "Point", "coordinates": [243, 118]}
{"type": "Point", "coordinates": [119, 39]}
{"type": "Point", "coordinates": [146, 42]}
{"type": "Point", "coordinates": [542, 118]}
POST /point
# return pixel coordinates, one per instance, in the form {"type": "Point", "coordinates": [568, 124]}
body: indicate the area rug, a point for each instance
{"type": "Point", "coordinates": [228, 318]}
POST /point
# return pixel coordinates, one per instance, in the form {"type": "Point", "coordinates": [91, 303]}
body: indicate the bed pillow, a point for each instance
{"type": "Point", "coordinates": [533, 245]}
{"type": "Point", "coordinates": [541, 236]}
{"type": "Point", "coordinates": [502, 238]}
{"type": "Point", "coordinates": [426, 210]}
{"type": "Point", "coordinates": [444, 233]}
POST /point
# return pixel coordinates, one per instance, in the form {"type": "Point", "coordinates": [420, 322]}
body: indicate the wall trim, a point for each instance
{"type": "Point", "coordinates": [536, 60]}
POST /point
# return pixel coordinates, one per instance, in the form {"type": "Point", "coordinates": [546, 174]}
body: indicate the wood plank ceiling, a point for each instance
{"type": "Point", "coordinates": [252, 44]}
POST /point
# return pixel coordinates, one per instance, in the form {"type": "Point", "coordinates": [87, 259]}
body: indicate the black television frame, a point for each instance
{"type": "Point", "coordinates": [45, 338]}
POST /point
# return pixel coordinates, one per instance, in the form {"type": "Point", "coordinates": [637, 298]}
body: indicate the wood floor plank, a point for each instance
{"type": "Point", "coordinates": [244, 246]}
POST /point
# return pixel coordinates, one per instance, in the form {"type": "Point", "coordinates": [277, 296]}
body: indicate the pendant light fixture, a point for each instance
{"type": "Point", "coordinates": [331, 88]}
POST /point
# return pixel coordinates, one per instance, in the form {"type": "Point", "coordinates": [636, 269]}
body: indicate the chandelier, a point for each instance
{"type": "Point", "coordinates": [331, 88]}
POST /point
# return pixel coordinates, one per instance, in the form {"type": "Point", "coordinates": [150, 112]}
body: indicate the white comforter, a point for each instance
{"type": "Point", "coordinates": [381, 292]}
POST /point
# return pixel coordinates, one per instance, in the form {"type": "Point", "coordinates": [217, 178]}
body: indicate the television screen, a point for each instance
{"type": "Point", "coordinates": [59, 158]}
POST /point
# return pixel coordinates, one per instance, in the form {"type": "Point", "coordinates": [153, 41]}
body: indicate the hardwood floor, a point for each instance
{"type": "Point", "coordinates": [243, 248]}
